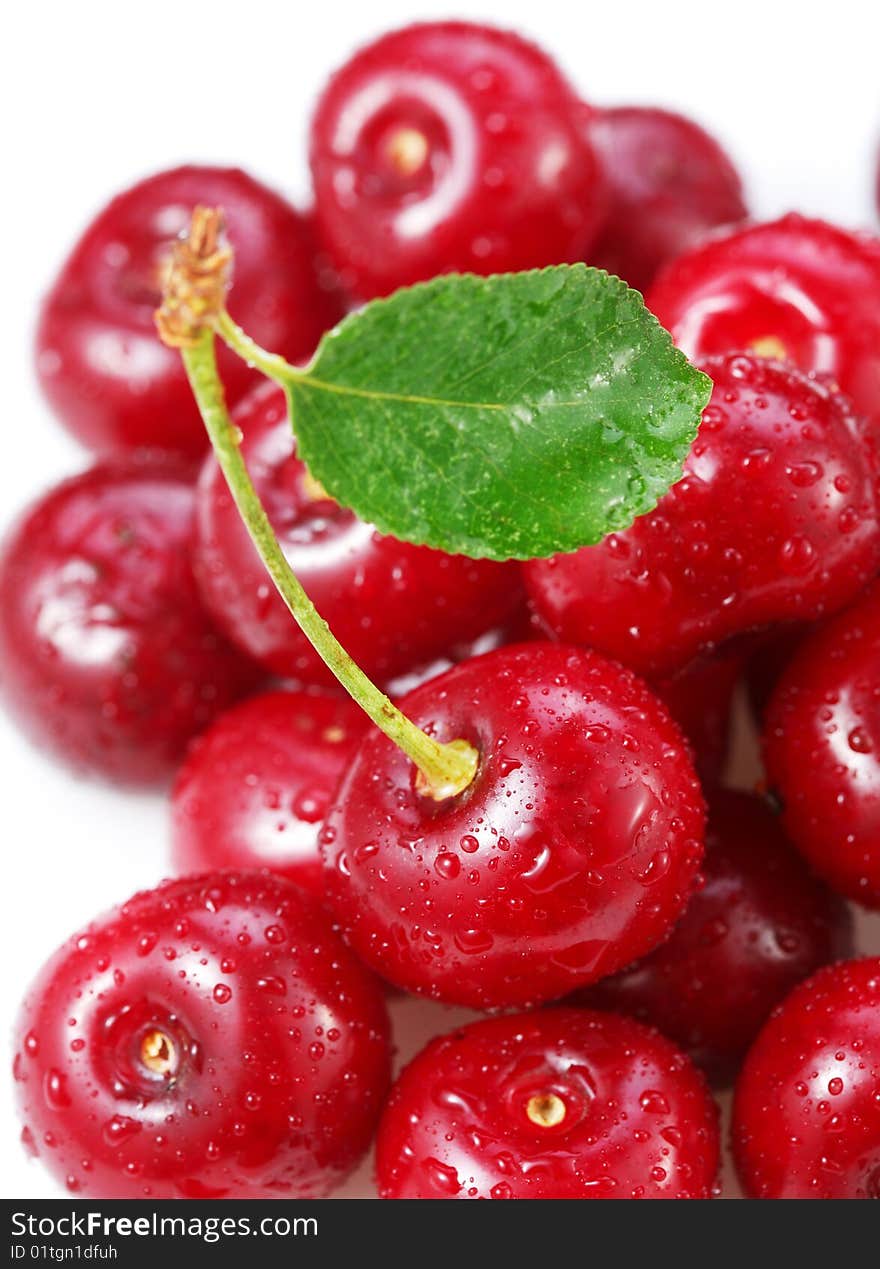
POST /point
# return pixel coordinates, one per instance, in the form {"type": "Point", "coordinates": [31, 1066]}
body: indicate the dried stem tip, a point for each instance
{"type": "Point", "coordinates": [158, 1053]}
{"type": "Point", "coordinates": [196, 281]}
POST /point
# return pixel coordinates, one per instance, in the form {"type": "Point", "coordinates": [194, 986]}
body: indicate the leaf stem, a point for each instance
{"type": "Point", "coordinates": [444, 769]}
{"type": "Point", "coordinates": [271, 365]}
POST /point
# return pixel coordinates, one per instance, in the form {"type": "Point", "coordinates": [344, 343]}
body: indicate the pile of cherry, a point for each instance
{"type": "Point", "coordinates": [223, 1034]}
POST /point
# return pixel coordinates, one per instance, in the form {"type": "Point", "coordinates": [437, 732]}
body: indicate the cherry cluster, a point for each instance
{"type": "Point", "coordinates": [226, 1034]}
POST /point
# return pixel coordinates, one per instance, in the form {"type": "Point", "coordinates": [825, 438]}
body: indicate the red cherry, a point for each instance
{"type": "Point", "coordinates": [100, 362]}
{"type": "Point", "coordinates": [806, 1116]}
{"type": "Point", "coordinates": [108, 659]}
{"type": "Point", "coordinates": [393, 606]}
{"type": "Point", "coordinates": [562, 1104]}
{"type": "Point", "coordinates": [256, 786]}
{"type": "Point", "coordinates": [211, 1038]}
{"type": "Point", "coordinates": [759, 925]}
{"type": "Point", "coordinates": [798, 289]}
{"type": "Point", "coordinates": [571, 853]}
{"type": "Point", "coordinates": [822, 749]}
{"type": "Point", "coordinates": [451, 146]}
{"type": "Point", "coordinates": [775, 520]}
{"type": "Point", "coordinates": [669, 182]}
{"type": "Point", "coordinates": [700, 698]}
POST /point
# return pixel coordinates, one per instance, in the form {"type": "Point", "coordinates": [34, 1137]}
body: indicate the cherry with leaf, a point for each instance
{"type": "Point", "coordinates": [529, 821]}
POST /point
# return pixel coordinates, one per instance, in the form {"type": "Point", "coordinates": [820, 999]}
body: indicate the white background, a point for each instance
{"type": "Point", "coordinates": [95, 95]}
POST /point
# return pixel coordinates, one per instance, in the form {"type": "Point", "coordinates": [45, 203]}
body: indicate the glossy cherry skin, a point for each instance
{"type": "Point", "coordinates": [448, 146]}
{"type": "Point", "coordinates": [100, 363]}
{"type": "Point", "coordinates": [571, 853]}
{"type": "Point", "coordinates": [256, 785]}
{"type": "Point", "coordinates": [775, 520]}
{"type": "Point", "coordinates": [793, 288]}
{"type": "Point", "coordinates": [822, 749]}
{"type": "Point", "coordinates": [806, 1115]}
{"type": "Point", "coordinates": [700, 698]}
{"type": "Point", "coordinates": [107, 657]}
{"type": "Point", "coordinates": [211, 1038]}
{"type": "Point", "coordinates": [759, 925]}
{"type": "Point", "coordinates": [668, 181]}
{"type": "Point", "coordinates": [393, 606]}
{"type": "Point", "coordinates": [561, 1104]}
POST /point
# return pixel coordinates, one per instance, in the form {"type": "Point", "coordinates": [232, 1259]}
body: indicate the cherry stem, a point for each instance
{"type": "Point", "coordinates": [268, 364]}
{"type": "Point", "coordinates": [158, 1053]}
{"type": "Point", "coordinates": [444, 769]}
{"type": "Point", "coordinates": [546, 1110]}
{"type": "Point", "coordinates": [193, 310]}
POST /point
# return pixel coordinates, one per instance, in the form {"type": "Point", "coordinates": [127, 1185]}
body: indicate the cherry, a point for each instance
{"type": "Point", "coordinates": [106, 375]}
{"type": "Point", "coordinates": [775, 520]}
{"type": "Point", "coordinates": [447, 146]}
{"type": "Point", "coordinates": [392, 605]}
{"type": "Point", "coordinates": [759, 925]}
{"type": "Point", "coordinates": [562, 1104]}
{"type": "Point", "coordinates": [822, 749]}
{"type": "Point", "coordinates": [571, 852]}
{"type": "Point", "coordinates": [211, 1038]}
{"type": "Point", "coordinates": [669, 182]}
{"type": "Point", "coordinates": [700, 698]}
{"type": "Point", "coordinates": [256, 785]}
{"type": "Point", "coordinates": [108, 659]}
{"type": "Point", "coordinates": [794, 288]}
{"type": "Point", "coordinates": [806, 1116]}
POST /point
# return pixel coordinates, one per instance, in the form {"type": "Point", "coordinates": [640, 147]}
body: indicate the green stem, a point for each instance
{"type": "Point", "coordinates": [446, 769]}
{"type": "Point", "coordinates": [270, 364]}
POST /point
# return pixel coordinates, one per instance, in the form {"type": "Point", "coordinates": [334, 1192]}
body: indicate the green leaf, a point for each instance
{"type": "Point", "coordinates": [505, 417]}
